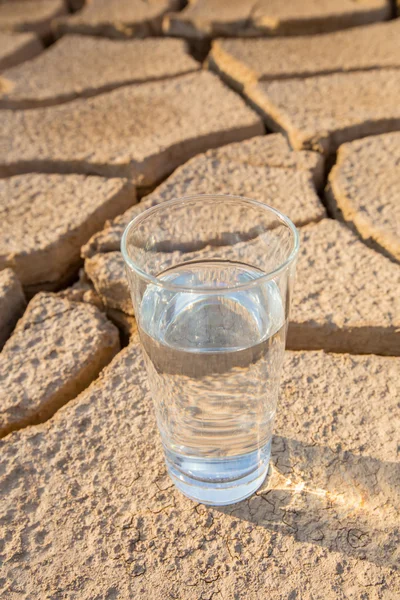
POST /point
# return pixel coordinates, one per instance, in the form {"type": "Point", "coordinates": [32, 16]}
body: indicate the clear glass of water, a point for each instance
{"type": "Point", "coordinates": [211, 279]}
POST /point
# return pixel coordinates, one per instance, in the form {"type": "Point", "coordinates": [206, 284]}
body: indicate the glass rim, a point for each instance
{"type": "Point", "coordinates": [209, 290]}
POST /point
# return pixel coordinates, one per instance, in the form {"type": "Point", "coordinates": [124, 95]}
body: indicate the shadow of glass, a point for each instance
{"type": "Point", "coordinates": [344, 502]}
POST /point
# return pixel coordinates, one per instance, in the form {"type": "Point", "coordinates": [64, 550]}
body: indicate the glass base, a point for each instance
{"type": "Point", "coordinates": [219, 482]}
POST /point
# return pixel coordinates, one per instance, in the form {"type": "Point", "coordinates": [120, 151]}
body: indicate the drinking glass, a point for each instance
{"type": "Point", "coordinates": [211, 279]}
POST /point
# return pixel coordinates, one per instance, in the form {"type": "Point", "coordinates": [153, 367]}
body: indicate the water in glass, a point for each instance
{"type": "Point", "coordinates": [214, 365]}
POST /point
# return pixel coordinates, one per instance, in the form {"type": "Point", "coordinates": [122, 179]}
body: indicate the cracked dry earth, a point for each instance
{"type": "Point", "coordinates": [100, 120]}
